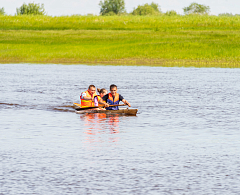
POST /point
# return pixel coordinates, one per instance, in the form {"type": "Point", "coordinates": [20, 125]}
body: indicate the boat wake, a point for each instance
{"type": "Point", "coordinates": [63, 108]}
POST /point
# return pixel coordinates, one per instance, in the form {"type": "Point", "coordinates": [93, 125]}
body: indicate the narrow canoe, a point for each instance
{"type": "Point", "coordinates": [121, 111]}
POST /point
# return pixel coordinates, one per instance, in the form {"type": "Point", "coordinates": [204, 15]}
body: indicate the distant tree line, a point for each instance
{"type": "Point", "coordinates": [31, 9]}
{"type": "Point", "coordinates": [117, 7]}
{"type": "Point", "coordinates": [195, 8]}
{"type": "Point", "coordinates": [2, 12]}
{"type": "Point", "coordinates": [28, 9]}
{"type": "Point", "coordinates": [147, 9]}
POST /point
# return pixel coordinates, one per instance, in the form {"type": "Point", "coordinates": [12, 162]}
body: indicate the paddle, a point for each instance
{"type": "Point", "coordinates": [100, 107]}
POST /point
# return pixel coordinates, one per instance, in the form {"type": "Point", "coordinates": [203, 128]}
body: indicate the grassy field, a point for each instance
{"type": "Point", "coordinates": [200, 41]}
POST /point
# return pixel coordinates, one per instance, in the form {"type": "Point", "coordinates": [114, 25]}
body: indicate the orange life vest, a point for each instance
{"type": "Point", "coordinates": [88, 103]}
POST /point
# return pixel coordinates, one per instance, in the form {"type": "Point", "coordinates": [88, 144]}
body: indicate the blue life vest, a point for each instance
{"type": "Point", "coordinates": [110, 101]}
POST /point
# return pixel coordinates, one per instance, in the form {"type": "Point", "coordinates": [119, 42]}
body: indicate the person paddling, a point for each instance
{"type": "Point", "coordinates": [113, 98]}
{"type": "Point", "coordinates": [89, 98]}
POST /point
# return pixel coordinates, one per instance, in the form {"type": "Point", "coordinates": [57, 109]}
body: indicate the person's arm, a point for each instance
{"type": "Point", "coordinates": [88, 98]}
{"type": "Point", "coordinates": [126, 102]}
{"type": "Point", "coordinates": [103, 102]}
{"type": "Point", "coordinates": [84, 97]}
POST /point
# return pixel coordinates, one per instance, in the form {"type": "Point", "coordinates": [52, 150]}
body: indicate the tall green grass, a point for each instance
{"type": "Point", "coordinates": [202, 41]}
{"type": "Point", "coordinates": [192, 22]}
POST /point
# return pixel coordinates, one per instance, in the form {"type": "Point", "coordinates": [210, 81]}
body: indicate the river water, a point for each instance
{"type": "Point", "coordinates": [185, 138]}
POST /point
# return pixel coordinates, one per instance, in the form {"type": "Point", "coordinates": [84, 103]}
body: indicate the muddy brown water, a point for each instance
{"type": "Point", "coordinates": [184, 140]}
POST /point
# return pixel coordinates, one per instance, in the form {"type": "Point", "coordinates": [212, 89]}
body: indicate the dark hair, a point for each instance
{"type": "Point", "coordinates": [113, 86]}
{"type": "Point", "coordinates": [101, 90]}
{"type": "Point", "coordinates": [91, 86]}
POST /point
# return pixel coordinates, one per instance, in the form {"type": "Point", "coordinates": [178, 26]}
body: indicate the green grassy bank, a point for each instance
{"type": "Point", "coordinates": [201, 41]}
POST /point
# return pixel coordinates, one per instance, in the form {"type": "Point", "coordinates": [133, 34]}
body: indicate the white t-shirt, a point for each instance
{"type": "Point", "coordinates": [82, 95]}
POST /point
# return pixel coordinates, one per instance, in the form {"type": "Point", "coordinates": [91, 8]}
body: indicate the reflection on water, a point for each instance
{"type": "Point", "coordinates": [100, 123]}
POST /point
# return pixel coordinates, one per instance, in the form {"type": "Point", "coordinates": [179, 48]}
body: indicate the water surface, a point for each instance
{"type": "Point", "coordinates": [184, 140]}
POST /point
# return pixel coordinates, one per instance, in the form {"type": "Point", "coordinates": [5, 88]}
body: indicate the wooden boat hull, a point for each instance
{"type": "Point", "coordinates": [121, 111]}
